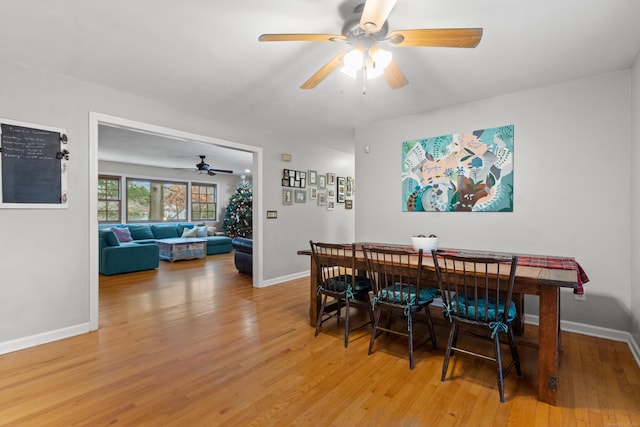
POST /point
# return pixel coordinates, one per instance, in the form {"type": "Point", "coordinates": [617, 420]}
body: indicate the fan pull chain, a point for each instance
{"type": "Point", "coordinates": [364, 80]}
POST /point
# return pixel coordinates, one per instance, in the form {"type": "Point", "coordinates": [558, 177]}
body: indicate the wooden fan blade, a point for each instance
{"type": "Point", "coordinates": [394, 76]}
{"type": "Point", "coordinates": [375, 14]}
{"type": "Point", "coordinates": [301, 38]}
{"type": "Point", "coordinates": [323, 72]}
{"type": "Point", "coordinates": [444, 37]}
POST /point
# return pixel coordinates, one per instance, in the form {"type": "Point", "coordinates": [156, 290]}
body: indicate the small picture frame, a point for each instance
{"type": "Point", "coordinates": [322, 181]}
{"type": "Point", "coordinates": [341, 189]}
{"type": "Point", "coordinates": [313, 193]}
{"type": "Point", "coordinates": [322, 198]}
{"type": "Point", "coordinates": [300, 196]}
{"type": "Point", "coordinates": [287, 196]}
{"type": "Point", "coordinates": [313, 177]}
{"type": "Point", "coordinates": [272, 214]}
{"type": "Point", "coordinates": [349, 187]}
{"type": "Point", "coordinates": [331, 179]}
{"type": "Point", "coordinates": [331, 205]}
{"type": "Point", "coordinates": [348, 204]}
{"type": "Point", "coordinates": [331, 193]}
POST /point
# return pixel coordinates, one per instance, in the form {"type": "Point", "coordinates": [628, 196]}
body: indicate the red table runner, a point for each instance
{"type": "Point", "coordinates": [539, 261]}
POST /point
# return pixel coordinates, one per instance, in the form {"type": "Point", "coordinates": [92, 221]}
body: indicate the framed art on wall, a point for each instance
{"type": "Point", "coordinates": [300, 196]}
{"type": "Point", "coordinates": [460, 172]}
{"type": "Point", "coordinates": [349, 187]}
{"type": "Point", "coordinates": [322, 198]}
{"type": "Point", "coordinates": [287, 196]}
{"type": "Point", "coordinates": [313, 177]}
{"type": "Point", "coordinates": [331, 179]}
{"type": "Point", "coordinates": [341, 189]}
{"type": "Point", "coordinates": [322, 181]}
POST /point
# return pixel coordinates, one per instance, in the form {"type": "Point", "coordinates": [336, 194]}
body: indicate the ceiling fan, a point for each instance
{"type": "Point", "coordinates": [204, 167]}
{"type": "Point", "coordinates": [366, 30]}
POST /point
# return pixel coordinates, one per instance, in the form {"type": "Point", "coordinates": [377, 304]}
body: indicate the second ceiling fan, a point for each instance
{"type": "Point", "coordinates": [366, 30]}
{"type": "Point", "coordinates": [204, 167]}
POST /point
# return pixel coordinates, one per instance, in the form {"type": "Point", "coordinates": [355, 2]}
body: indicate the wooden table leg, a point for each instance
{"type": "Point", "coordinates": [548, 344]}
{"type": "Point", "coordinates": [518, 322]}
{"type": "Point", "coordinates": [314, 301]}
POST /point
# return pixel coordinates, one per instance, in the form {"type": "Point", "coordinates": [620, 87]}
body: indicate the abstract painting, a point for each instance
{"type": "Point", "coordinates": [460, 172]}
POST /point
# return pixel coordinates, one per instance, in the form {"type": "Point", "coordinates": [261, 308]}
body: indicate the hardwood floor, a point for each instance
{"type": "Point", "coordinates": [195, 344]}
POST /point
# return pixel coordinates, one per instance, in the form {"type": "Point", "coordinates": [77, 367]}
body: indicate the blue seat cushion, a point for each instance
{"type": "Point", "coordinates": [465, 306]}
{"type": "Point", "coordinates": [342, 282]}
{"type": "Point", "coordinates": [406, 294]}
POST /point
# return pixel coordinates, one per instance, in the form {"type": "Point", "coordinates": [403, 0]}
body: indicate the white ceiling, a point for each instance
{"type": "Point", "coordinates": [117, 144]}
{"type": "Point", "coordinates": [205, 55]}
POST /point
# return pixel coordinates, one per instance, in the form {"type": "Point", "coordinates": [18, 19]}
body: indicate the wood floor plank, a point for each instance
{"type": "Point", "coordinates": [193, 343]}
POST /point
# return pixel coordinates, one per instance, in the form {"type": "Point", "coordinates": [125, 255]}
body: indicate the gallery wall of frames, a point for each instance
{"type": "Point", "coordinates": [323, 189]}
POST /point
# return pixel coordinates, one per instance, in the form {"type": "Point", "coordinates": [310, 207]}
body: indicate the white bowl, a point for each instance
{"type": "Point", "coordinates": [427, 244]}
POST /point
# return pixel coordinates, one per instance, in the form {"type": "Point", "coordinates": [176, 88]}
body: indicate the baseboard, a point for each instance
{"type": "Point", "coordinates": [282, 279]}
{"type": "Point", "coordinates": [43, 338]}
{"type": "Point", "coordinates": [594, 331]}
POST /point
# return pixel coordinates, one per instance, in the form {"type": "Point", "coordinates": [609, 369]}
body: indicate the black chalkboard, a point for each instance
{"type": "Point", "coordinates": [31, 169]}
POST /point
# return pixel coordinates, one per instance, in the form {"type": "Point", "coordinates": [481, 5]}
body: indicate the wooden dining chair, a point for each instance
{"type": "Point", "coordinates": [477, 291]}
{"type": "Point", "coordinates": [397, 291]}
{"type": "Point", "coordinates": [339, 280]}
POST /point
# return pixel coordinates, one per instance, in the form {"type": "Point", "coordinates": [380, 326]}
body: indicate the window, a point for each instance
{"type": "Point", "coordinates": [150, 200]}
{"type": "Point", "coordinates": [203, 201]}
{"type": "Point", "coordinates": [109, 200]}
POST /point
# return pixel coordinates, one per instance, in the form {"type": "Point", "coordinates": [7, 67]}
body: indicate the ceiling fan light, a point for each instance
{"type": "Point", "coordinates": [381, 59]}
{"type": "Point", "coordinates": [353, 62]}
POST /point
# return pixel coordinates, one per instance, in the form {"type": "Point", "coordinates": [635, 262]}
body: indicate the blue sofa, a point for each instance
{"type": "Point", "coordinates": [117, 257]}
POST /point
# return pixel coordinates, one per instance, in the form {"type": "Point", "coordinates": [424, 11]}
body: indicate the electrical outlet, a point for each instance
{"type": "Point", "coordinates": [582, 297]}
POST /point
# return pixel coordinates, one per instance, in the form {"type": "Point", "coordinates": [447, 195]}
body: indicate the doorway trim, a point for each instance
{"type": "Point", "coordinates": [96, 119]}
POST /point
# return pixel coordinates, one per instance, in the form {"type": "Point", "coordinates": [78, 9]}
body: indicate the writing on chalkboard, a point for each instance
{"type": "Point", "coordinates": [32, 165]}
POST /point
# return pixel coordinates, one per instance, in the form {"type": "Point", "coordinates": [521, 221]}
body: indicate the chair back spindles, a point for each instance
{"type": "Point", "coordinates": [477, 291]}
{"type": "Point", "coordinates": [338, 279]}
{"type": "Point", "coordinates": [396, 277]}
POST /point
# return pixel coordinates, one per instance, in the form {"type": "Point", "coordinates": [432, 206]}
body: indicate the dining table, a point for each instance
{"type": "Point", "coordinates": [535, 275]}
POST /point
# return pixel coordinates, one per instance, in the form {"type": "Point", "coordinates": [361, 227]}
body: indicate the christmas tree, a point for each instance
{"type": "Point", "coordinates": [237, 218]}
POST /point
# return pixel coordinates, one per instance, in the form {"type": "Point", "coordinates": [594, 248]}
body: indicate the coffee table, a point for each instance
{"type": "Point", "coordinates": [182, 248]}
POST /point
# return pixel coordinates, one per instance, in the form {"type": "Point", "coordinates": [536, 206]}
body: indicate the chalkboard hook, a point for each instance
{"type": "Point", "coordinates": [62, 154]}
{"type": "Point", "coordinates": [63, 138]}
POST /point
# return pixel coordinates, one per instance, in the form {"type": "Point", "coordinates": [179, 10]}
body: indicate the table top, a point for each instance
{"type": "Point", "coordinates": [179, 240]}
{"type": "Point", "coordinates": [532, 269]}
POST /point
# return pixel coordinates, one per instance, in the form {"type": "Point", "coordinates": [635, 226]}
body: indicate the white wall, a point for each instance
{"type": "Point", "coordinates": [44, 273]}
{"type": "Point", "coordinates": [635, 208]}
{"type": "Point", "coordinates": [571, 185]}
{"type": "Point", "coordinates": [299, 223]}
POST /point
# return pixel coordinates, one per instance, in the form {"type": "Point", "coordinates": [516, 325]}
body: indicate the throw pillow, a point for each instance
{"type": "Point", "coordinates": [211, 231]}
{"type": "Point", "coordinates": [190, 232]}
{"type": "Point", "coordinates": [201, 231]}
{"type": "Point", "coordinates": [123, 234]}
{"type": "Point", "coordinates": [140, 231]}
{"type": "Point", "coordinates": [164, 231]}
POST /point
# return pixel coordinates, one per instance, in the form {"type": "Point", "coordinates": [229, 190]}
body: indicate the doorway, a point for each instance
{"type": "Point", "coordinates": [98, 119]}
